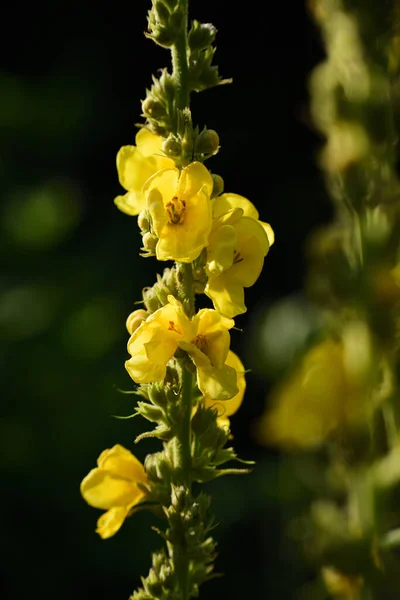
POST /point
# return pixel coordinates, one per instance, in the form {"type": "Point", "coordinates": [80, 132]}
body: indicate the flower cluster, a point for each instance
{"type": "Point", "coordinates": [189, 381]}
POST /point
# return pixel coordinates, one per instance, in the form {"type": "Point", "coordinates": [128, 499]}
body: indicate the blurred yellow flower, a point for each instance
{"type": "Point", "coordinates": [180, 210]}
{"type": "Point", "coordinates": [113, 486]}
{"type": "Point", "coordinates": [228, 408]}
{"type": "Point", "coordinates": [341, 586]}
{"type": "Point", "coordinates": [135, 164]}
{"type": "Point", "coordinates": [330, 389]}
{"type": "Point", "coordinates": [205, 338]}
{"type": "Point", "coordinates": [237, 246]}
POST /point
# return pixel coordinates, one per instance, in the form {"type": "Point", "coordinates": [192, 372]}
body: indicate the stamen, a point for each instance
{"type": "Point", "coordinates": [176, 210]}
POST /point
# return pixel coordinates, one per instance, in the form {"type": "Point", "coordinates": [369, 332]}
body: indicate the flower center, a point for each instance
{"type": "Point", "coordinates": [236, 257]}
{"type": "Point", "coordinates": [176, 210]}
{"type": "Point", "coordinates": [171, 327]}
{"type": "Point", "coordinates": [201, 342]}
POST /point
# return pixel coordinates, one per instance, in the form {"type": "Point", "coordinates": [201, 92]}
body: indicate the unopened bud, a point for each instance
{"type": "Point", "coordinates": [135, 319]}
{"type": "Point", "coordinates": [218, 185]}
{"type": "Point", "coordinates": [172, 146]}
{"type": "Point", "coordinates": [207, 143]}
{"type": "Point", "coordinates": [201, 35]}
{"type": "Point", "coordinates": [153, 108]}
{"type": "Point", "coordinates": [144, 221]}
{"type": "Point", "coordinates": [150, 241]}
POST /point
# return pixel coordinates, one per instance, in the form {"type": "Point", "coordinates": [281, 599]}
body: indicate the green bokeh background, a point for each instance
{"type": "Point", "coordinates": [71, 78]}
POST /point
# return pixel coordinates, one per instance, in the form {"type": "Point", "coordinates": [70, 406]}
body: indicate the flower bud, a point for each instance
{"type": "Point", "coordinates": [153, 108]}
{"type": "Point", "coordinates": [135, 319]}
{"type": "Point", "coordinates": [201, 35]}
{"type": "Point", "coordinates": [172, 147]}
{"type": "Point", "coordinates": [207, 143]}
{"type": "Point", "coordinates": [218, 186]}
{"type": "Point", "coordinates": [150, 242]}
{"type": "Point", "coordinates": [144, 221]}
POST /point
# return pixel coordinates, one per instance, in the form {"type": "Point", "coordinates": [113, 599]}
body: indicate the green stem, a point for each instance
{"type": "Point", "coordinates": [184, 446]}
{"type": "Point", "coordinates": [180, 62]}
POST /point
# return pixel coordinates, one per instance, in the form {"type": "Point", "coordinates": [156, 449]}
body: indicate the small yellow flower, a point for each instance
{"type": "Point", "coordinates": [226, 202]}
{"type": "Point", "coordinates": [207, 342]}
{"type": "Point", "coordinates": [205, 338]}
{"type": "Point", "coordinates": [228, 408]}
{"type": "Point", "coordinates": [135, 164]}
{"type": "Point", "coordinates": [180, 210]}
{"type": "Point", "coordinates": [113, 486]}
{"type": "Point", "coordinates": [237, 246]}
{"type": "Point", "coordinates": [341, 586]}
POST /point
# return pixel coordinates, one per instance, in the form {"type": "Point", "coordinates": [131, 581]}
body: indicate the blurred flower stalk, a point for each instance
{"type": "Point", "coordinates": [188, 380]}
{"type": "Point", "coordinates": [342, 399]}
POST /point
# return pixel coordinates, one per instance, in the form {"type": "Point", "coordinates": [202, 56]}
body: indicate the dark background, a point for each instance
{"type": "Point", "coordinates": [72, 75]}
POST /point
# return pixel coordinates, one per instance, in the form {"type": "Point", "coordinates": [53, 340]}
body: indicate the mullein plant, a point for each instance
{"type": "Point", "coordinates": [342, 399]}
{"type": "Point", "coordinates": [188, 381]}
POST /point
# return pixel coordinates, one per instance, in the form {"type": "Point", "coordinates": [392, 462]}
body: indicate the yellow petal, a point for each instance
{"type": "Point", "coordinates": [134, 168]}
{"type": "Point", "coordinates": [220, 250]}
{"type": "Point", "coordinates": [104, 490]}
{"type": "Point", "coordinates": [132, 203]}
{"type": "Point", "coordinates": [121, 462]}
{"type": "Point", "coordinates": [228, 407]}
{"type": "Point", "coordinates": [269, 231]}
{"type": "Point", "coordinates": [110, 522]}
{"type": "Point", "coordinates": [194, 178]}
{"type": "Point", "coordinates": [227, 295]}
{"type": "Point", "coordinates": [148, 142]}
{"type": "Point", "coordinates": [218, 384]}
{"type": "Point", "coordinates": [200, 359]}
{"type": "Point", "coordinates": [222, 204]}
{"type": "Point", "coordinates": [142, 370]}
{"type": "Point", "coordinates": [248, 228]}
{"type": "Point", "coordinates": [165, 181]}
{"type": "Point", "coordinates": [155, 205]}
{"type": "Point", "coordinates": [208, 321]}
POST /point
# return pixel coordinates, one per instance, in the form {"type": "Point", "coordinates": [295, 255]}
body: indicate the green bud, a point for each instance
{"type": "Point", "coordinates": [153, 108]}
{"type": "Point", "coordinates": [144, 221]}
{"type": "Point", "coordinates": [201, 35]}
{"type": "Point", "coordinates": [172, 146]}
{"type": "Point", "coordinates": [155, 127]}
{"type": "Point", "coordinates": [150, 412]}
{"type": "Point", "coordinates": [207, 143]}
{"type": "Point", "coordinates": [151, 300]}
{"type": "Point", "coordinates": [218, 186]}
{"type": "Point", "coordinates": [150, 242]}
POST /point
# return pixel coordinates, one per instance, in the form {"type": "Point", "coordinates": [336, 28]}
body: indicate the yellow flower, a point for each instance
{"type": "Point", "coordinates": [135, 164]}
{"type": "Point", "coordinates": [328, 390]}
{"type": "Point", "coordinates": [207, 342]}
{"type": "Point", "coordinates": [113, 486]}
{"type": "Point", "coordinates": [228, 408]}
{"type": "Point", "coordinates": [180, 210]}
{"type": "Point", "coordinates": [237, 246]}
{"type": "Point", "coordinates": [205, 338]}
{"type": "Point", "coordinates": [226, 202]}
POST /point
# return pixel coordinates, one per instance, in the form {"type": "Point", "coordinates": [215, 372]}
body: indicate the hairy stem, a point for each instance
{"type": "Point", "coordinates": [180, 62]}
